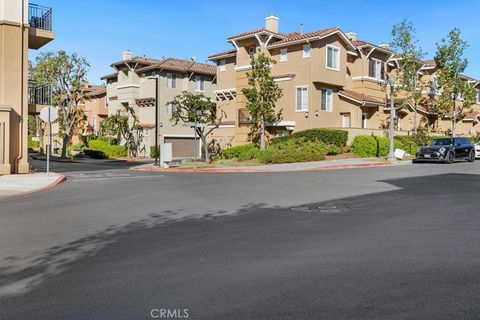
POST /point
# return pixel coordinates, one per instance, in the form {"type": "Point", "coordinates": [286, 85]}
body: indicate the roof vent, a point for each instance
{"type": "Point", "coordinates": [352, 36]}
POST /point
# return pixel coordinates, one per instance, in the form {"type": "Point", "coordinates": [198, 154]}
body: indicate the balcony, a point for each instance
{"type": "Point", "coordinates": [39, 96]}
{"type": "Point", "coordinates": [40, 21]}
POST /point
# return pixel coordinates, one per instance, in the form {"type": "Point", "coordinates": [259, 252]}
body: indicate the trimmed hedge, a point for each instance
{"type": "Point", "coordinates": [95, 154]}
{"type": "Point", "coordinates": [242, 152]}
{"type": "Point", "coordinates": [111, 151]}
{"type": "Point", "coordinates": [328, 136]}
{"type": "Point", "coordinates": [294, 150]}
{"type": "Point", "coordinates": [372, 146]}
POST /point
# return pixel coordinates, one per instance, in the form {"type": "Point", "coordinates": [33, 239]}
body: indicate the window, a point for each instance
{"type": "Point", "coordinates": [283, 55]}
{"type": "Point", "coordinates": [302, 99]}
{"type": "Point", "coordinates": [333, 58]}
{"type": "Point", "coordinates": [171, 80]}
{"type": "Point", "coordinates": [306, 51]}
{"type": "Point", "coordinates": [222, 65]}
{"type": "Point", "coordinates": [364, 120]}
{"type": "Point", "coordinates": [346, 120]}
{"type": "Point", "coordinates": [200, 83]}
{"type": "Point", "coordinates": [376, 69]}
{"type": "Point", "coordinates": [326, 103]}
{"type": "Point", "coordinates": [252, 50]}
{"type": "Point", "coordinates": [170, 108]}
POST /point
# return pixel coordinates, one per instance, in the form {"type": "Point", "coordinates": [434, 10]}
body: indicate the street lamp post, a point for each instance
{"type": "Point", "coordinates": [391, 152]}
{"type": "Point", "coordinates": [156, 118]}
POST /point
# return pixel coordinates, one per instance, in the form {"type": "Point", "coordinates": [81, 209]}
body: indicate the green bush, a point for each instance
{"type": "Point", "coordinates": [111, 151]}
{"type": "Point", "coordinates": [365, 146]}
{"type": "Point", "coordinates": [33, 143]}
{"type": "Point", "coordinates": [372, 146]}
{"type": "Point", "coordinates": [152, 151]}
{"type": "Point", "coordinates": [294, 150]}
{"type": "Point", "coordinates": [242, 152]}
{"type": "Point", "coordinates": [384, 145]}
{"type": "Point", "coordinates": [328, 136]}
{"type": "Point", "coordinates": [96, 154]}
{"type": "Point", "coordinates": [78, 146]}
{"type": "Point", "coordinates": [408, 144]}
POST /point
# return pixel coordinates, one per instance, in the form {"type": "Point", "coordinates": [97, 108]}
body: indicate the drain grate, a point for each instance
{"type": "Point", "coordinates": [326, 208]}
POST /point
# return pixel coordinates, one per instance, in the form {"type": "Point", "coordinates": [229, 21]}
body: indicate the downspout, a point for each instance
{"type": "Point", "coordinates": [22, 91]}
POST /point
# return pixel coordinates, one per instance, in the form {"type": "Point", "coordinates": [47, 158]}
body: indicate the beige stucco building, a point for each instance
{"type": "Point", "coordinates": [133, 84]}
{"type": "Point", "coordinates": [330, 79]}
{"type": "Point", "coordinates": [22, 27]}
{"type": "Point", "coordinates": [95, 106]}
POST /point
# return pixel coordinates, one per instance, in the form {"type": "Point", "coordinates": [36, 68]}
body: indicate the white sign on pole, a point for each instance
{"type": "Point", "coordinates": [49, 115]}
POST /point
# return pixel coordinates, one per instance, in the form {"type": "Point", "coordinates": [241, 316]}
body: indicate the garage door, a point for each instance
{"type": "Point", "coordinates": [184, 147]}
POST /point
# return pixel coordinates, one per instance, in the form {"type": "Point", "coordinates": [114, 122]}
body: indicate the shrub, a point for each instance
{"type": "Point", "coordinates": [96, 154]}
{"type": "Point", "coordinates": [408, 144]}
{"type": "Point", "coordinates": [33, 143]}
{"type": "Point", "coordinates": [365, 146]}
{"type": "Point", "coordinates": [241, 152]}
{"type": "Point", "coordinates": [152, 151]}
{"type": "Point", "coordinates": [111, 151]}
{"type": "Point", "coordinates": [78, 146]}
{"type": "Point", "coordinates": [294, 150]}
{"type": "Point", "coordinates": [328, 136]}
{"type": "Point", "coordinates": [384, 146]}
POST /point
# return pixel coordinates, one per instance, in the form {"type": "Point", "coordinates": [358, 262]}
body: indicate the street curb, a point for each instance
{"type": "Point", "coordinates": [52, 184]}
{"type": "Point", "coordinates": [220, 170]}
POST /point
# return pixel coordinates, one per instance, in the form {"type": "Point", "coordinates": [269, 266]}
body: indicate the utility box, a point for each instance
{"type": "Point", "coordinates": [165, 153]}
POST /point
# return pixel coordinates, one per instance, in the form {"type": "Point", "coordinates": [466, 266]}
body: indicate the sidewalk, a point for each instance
{"type": "Point", "coordinates": [287, 167]}
{"type": "Point", "coordinates": [18, 184]}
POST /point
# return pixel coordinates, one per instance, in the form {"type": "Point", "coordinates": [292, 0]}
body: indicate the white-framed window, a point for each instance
{"type": "Point", "coordinates": [306, 50]}
{"type": "Point", "coordinates": [251, 50]}
{"type": "Point", "coordinates": [301, 98]}
{"type": "Point", "coordinates": [222, 65]}
{"type": "Point", "coordinates": [170, 108]}
{"type": "Point", "coordinates": [364, 120]}
{"type": "Point", "coordinates": [283, 54]}
{"type": "Point", "coordinates": [171, 80]}
{"type": "Point", "coordinates": [94, 122]}
{"type": "Point", "coordinates": [478, 96]}
{"type": "Point", "coordinates": [376, 69]}
{"type": "Point", "coordinates": [333, 58]}
{"type": "Point", "coordinates": [326, 100]}
{"type": "Point", "coordinates": [346, 120]}
{"type": "Point", "coordinates": [200, 81]}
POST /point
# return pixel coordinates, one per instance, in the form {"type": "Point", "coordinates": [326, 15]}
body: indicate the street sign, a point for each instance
{"type": "Point", "coordinates": [49, 115]}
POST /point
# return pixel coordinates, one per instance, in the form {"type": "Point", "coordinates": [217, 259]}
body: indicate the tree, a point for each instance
{"type": "Point", "coordinates": [65, 73]}
{"type": "Point", "coordinates": [122, 124]}
{"type": "Point", "coordinates": [410, 62]}
{"type": "Point", "coordinates": [456, 95]}
{"type": "Point", "coordinates": [198, 109]}
{"type": "Point", "coordinates": [262, 94]}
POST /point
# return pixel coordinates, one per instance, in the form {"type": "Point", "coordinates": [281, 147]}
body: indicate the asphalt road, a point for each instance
{"type": "Point", "coordinates": [379, 243]}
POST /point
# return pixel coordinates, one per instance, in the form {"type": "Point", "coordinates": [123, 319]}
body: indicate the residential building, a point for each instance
{"type": "Point", "coordinates": [23, 26]}
{"type": "Point", "coordinates": [95, 106]}
{"type": "Point", "coordinates": [133, 85]}
{"type": "Point", "coordinates": [329, 80]}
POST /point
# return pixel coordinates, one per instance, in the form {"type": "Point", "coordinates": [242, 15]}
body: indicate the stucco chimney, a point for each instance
{"type": "Point", "coordinates": [271, 23]}
{"type": "Point", "coordinates": [127, 55]}
{"type": "Point", "coordinates": [352, 36]}
{"type": "Point", "coordinates": [384, 46]}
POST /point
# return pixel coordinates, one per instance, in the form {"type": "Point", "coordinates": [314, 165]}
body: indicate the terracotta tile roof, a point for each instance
{"type": "Point", "coordinates": [141, 60]}
{"type": "Point", "coordinates": [430, 63]}
{"type": "Point", "coordinates": [360, 97]}
{"type": "Point", "coordinates": [287, 75]}
{"type": "Point", "coordinates": [109, 76]}
{"type": "Point", "coordinates": [259, 30]}
{"type": "Point", "coordinates": [472, 115]}
{"type": "Point", "coordinates": [180, 65]}
{"type": "Point", "coordinates": [360, 43]}
{"type": "Point", "coordinates": [300, 36]}
{"type": "Point", "coordinates": [94, 90]}
{"type": "Point", "coordinates": [224, 53]}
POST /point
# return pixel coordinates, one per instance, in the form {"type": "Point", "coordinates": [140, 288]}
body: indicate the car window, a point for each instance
{"type": "Point", "coordinates": [442, 142]}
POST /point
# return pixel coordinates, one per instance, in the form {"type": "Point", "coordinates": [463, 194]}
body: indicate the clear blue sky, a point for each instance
{"type": "Point", "coordinates": [101, 29]}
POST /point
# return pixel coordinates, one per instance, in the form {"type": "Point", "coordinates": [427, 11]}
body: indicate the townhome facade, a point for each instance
{"type": "Point", "coordinates": [133, 85]}
{"type": "Point", "coordinates": [95, 106]}
{"type": "Point", "coordinates": [23, 26]}
{"type": "Point", "coordinates": [330, 79]}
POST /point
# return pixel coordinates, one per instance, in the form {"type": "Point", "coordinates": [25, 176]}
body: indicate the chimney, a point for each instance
{"type": "Point", "coordinates": [384, 46]}
{"type": "Point", "coordinates": [126, 55]}
{"type": "Point", "coordinates": [352, 36]}
{"type": "Point", "coordinates": [271, 23]}
{"type": "Point", "coordinates": [301, 28]}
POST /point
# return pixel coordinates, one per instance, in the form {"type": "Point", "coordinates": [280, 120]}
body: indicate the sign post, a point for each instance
{"type": "Point", "coordinates": [49, 115]}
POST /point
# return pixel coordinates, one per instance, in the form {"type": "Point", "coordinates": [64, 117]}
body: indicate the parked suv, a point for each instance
{"type": "Point", "coordinates": [447, 150]}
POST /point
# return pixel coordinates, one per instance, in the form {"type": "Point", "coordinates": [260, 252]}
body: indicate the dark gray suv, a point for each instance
{"type": "Point", "coordinates": [447, 150]}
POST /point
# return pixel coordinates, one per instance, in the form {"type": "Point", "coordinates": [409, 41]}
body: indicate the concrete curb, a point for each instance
{"type": "Point", "coordinates": [246, 170]}
{"type": "Point", "coordinates": [52, 184]}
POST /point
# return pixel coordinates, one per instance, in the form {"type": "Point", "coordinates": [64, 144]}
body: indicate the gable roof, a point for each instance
{"type": "Point", "coordinates": [360, 97]}
{"type": "Point", "coordinates": [180, 65]}
{"type": "Point", "coordinates": [223, 54]}
{"type": "Point", "coordinates": [140, 60]}
{"type": "Point", "coordinates": [256, 31]}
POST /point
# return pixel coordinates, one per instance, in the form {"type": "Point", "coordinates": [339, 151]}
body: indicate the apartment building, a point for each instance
{"type": "Point", "coordinates": [133, 85]}
{"type": "Point", "coordinates": [23, 26]}
{"type": "Point", "coordinates": [330, 79]}
{"type": "Point", "coordinates": [95, 106]}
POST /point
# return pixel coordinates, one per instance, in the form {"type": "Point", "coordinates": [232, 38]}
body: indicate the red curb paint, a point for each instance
{"type": "Point", "coordinates": [60, 178]}
{"type": "Point", "coordinates": [220, 170]}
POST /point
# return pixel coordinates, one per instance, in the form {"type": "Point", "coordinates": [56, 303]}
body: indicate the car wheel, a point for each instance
{"type": "Point", "coordinates": [471, 156]}
{"type": "Point", "coordinates": [450, 158]}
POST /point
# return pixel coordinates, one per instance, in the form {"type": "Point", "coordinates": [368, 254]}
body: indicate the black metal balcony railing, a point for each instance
{"type": "Point", "coordinates": [39, 94]}
{"type": "Point", "coordinates": [40, 17]}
